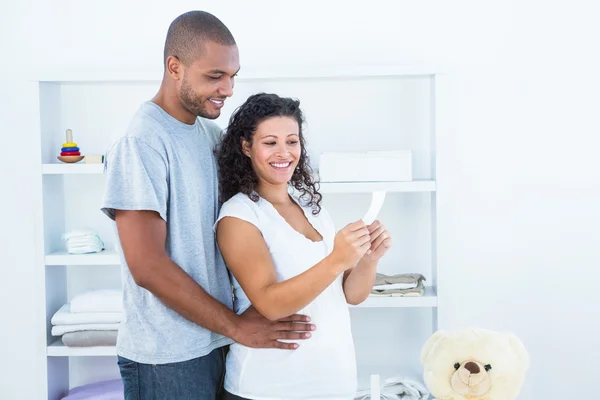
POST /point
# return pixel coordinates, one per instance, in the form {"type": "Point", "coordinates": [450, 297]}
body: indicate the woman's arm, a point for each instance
{"type": "Point", "coordinates": [247, 256]}
{"type": "Point", "coordinates": [143, 235]}
{"type": "Point", "coordinates": [359, 280]}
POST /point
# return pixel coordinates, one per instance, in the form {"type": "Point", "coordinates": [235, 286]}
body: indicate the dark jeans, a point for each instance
{"type": "Point", "coordinates": [197, 379]}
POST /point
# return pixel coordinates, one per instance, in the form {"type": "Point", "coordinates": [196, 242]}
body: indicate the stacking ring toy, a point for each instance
{"type": "Point", "coordinates": [69, 153]}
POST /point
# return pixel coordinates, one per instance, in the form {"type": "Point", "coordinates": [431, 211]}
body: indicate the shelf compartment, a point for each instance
{"type": "Point", "coordinates": [428, 300]}
{"type": "Point", "coordinates": [58, 349]}
{"type": "Point", "coordinates": [105, 257]}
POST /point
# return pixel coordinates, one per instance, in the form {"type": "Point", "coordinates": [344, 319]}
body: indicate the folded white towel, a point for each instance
{"type": "Point", "coordinates": [97, 301]}
{"type": "Point", "coordinates": [391, 286]}
{"type": "Point", "coordinates": [59, 330]}
{"type": "Point", "coordinates": [64, 316]}
{"type": "Point", "coordinates": [79, 233]}
{"type": "Point", "coordinates": [83, 241]}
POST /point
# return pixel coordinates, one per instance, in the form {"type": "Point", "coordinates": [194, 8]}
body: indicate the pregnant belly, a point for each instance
{"type": "Point", "coordinates": [322, 367]}
{"type": "Point", "coordinates": [309, 372]}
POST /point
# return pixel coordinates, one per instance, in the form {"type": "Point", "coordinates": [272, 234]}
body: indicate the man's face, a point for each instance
{"type": "Point", "coordinates": [208, 81]}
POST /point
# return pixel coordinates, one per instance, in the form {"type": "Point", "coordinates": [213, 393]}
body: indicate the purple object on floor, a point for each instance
{"type": "Point", "coordinates": [106, 390]}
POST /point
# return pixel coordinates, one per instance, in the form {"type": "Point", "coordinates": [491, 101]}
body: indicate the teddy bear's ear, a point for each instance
{"type": "Point", "coordinates": [519, 349]}
{"type": "Point", "coordinates": [430, 343]}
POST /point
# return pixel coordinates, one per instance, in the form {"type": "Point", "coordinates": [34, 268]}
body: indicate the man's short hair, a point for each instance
{"type": "Point", "coordinates": [188, 33]}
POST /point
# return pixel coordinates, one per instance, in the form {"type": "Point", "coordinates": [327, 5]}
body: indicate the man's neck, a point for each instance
{"type": "Point", "coordinates": [169, 101]}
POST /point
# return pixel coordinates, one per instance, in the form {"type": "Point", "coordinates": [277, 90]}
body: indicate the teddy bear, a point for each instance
{"type": "Point", "coordinates": [474, 364]}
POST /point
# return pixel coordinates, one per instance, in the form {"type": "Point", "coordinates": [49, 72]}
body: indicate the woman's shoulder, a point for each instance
{"type": "Point", "coordinates": [241, 207]}
{"type": "Point", "coordinates": [239, 198]}
{"type": "Point", "coordinates": [239, 201]}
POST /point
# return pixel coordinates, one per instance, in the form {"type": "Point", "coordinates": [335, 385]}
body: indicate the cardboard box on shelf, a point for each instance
{"type": "Point", "coordinates": [369, 166]}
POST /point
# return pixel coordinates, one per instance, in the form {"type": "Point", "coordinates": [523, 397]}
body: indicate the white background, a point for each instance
{"type": "Point", "coordinates": [524, 248]}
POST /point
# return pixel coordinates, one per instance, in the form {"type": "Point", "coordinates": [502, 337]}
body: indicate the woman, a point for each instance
{"type": "Point", "coordinates": [285, 257]}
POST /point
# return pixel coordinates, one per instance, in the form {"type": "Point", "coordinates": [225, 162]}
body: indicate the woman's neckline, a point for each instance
{"type": "Point", "coordinates": [306, 215]}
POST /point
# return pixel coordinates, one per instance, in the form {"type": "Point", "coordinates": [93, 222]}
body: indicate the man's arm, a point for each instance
{"type": "Point", "coordinates": [143, 235]}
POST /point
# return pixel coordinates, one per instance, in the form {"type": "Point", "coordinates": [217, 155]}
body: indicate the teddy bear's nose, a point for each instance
{"type": "Point", "coordinates": [472, 367]}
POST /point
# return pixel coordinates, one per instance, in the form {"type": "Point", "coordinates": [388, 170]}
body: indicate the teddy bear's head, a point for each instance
{"type": "Point", "coordinates": [474, 364]}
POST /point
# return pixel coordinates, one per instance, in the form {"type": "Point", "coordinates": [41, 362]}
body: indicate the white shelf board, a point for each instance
{"type": "Point", "coordinates": [75, 168]}
{"type": "Point", "coordinates": [58, 349]}
{"type": "Point", "coordinates": [247, 73]}
{"type": "Point", "coordinates": [105, 257]}
{"type": "Point", "coordinates": [368, 187]}
{"type": "Point", "coordinates": [325, 187]}
{"type": "Point", "coordinates": [429, 299]}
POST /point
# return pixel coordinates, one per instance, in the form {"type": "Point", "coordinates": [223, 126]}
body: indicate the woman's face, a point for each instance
{"type": "Point", "coordinates": [275, 150]}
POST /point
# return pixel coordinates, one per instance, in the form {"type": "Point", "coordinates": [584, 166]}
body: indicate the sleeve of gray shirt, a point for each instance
{"type": "Point", "coordinates": [136, 178]}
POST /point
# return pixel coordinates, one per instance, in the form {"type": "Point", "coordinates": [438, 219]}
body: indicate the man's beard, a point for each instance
{"type": "Point", "coordinates": [192, 102]}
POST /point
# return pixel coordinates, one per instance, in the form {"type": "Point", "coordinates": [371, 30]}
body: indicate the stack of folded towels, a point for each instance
{"type": "Point", "coordinates": [396, 388]}
{"type": "Point", "coordinates": [82, 242]}
{"type": "Point", "coordinates": [398, 285]}
{"type": "Point", "coordinates": [90, 319]}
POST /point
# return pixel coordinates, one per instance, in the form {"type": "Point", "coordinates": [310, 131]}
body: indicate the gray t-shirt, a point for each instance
{"type": "Point", "coordinates": [164, 165]}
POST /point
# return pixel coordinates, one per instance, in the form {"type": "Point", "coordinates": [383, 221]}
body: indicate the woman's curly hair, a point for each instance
{"type": "Point", "coordinates": [235, 168]}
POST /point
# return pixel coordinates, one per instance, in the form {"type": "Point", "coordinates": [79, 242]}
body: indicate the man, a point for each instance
{"type": "Point", "coordinates": [162, 193]}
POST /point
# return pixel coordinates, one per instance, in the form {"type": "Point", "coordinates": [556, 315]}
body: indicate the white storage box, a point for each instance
{"type": "Point", "coordinates": [370, 166]}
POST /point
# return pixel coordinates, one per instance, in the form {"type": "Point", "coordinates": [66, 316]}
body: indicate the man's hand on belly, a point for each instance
{"type": "Point", "coordinates": [254, 330]}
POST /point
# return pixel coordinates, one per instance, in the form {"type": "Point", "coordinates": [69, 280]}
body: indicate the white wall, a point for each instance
{"type": "Point", "coordinates": [19, 348]}
{"type": "Point", "coordinates": [519, 184]}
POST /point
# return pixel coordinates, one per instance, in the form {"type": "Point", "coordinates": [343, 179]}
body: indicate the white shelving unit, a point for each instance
{"type": "Point", "coordinates": [368, 187]}
{"type": "Point", "coordinates": [388, 331]}
{"type": "Point", "coordinates": [429, 299]}
{"type": "Point", "coordinates": [105, 257]}
{"type": "Point", "coordinates": [60, 169]}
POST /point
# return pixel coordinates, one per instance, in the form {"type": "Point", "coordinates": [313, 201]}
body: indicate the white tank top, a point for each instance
{"type": "Point", "coordinates": [323, 367]}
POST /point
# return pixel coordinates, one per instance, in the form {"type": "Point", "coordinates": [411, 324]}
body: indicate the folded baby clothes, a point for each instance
{"type": "Point", "coordinates": [410, 284]}
{"type": "Point", "coordinates": [90, 338]}
{"type": "Point", "coordinates": [396, 286]}
{"type": "Point", "coordinates": [97, 301]}
{"type": "Point", "coordinates": [64, 316]}
{"type": "Point", "coordinates": [410, 278]}
{"type": "Point", "coordinates": [396, 388]}
{"type": "Point", "coordinates": [83, 241]}
{"type": "Point", "coordinates": [416, 292]}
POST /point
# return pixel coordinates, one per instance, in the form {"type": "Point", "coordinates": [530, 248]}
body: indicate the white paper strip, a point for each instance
{"type": "Point", "coordinates": [377, 199]}
{"type": "Point", "coordinates": [375, 388]}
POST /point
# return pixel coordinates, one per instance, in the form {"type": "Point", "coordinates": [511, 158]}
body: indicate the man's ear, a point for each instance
{"type": "Point", "coordinates": [174, 68]}
{"type": "Point", "coordinates": [245, 147]}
